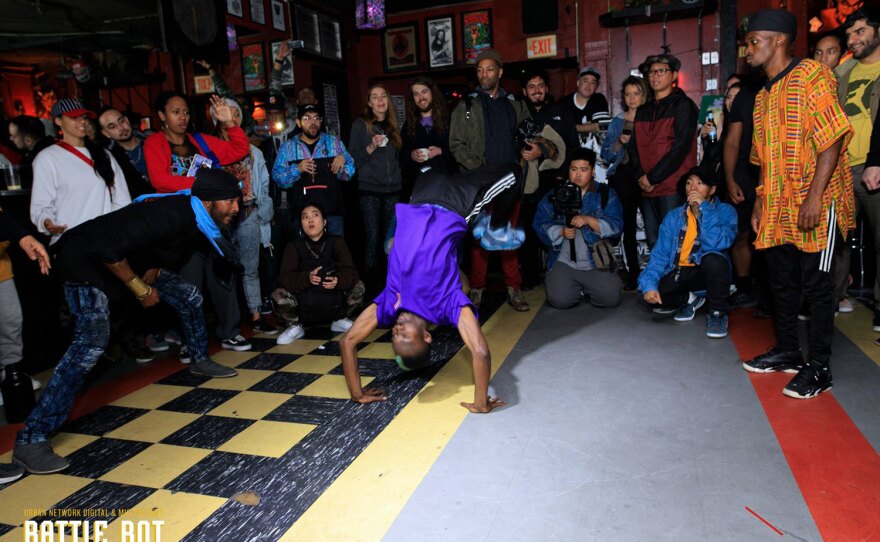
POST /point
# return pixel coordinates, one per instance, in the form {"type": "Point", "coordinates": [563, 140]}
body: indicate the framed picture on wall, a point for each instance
{"type": "Point", "coordinates": [400, 48]}
{"type": "Point", "coordinates": [233, 7]}
{"type": "Point", "coordinates": [441, 42]}
{"type": "Point", "coordinates": [286, 67]}
{"type": "Point", "coordinates": [258, 11]}
{"type": "Point", "coordinates": [476, 33]}
{"type": "Point", "coordinates": [278, 22]}
{"type": "Point", "coordinates": [253, 67]}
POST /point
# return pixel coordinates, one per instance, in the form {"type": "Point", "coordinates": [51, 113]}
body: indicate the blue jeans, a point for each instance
{"type": "Point", "coordinates": [247, 237]}
{"type": "Point", "coordinates": [91, 309]}
{"type": "Point", "coordinates": [378, 211]}
{"type": "Point", "coordinates": [653, 211]}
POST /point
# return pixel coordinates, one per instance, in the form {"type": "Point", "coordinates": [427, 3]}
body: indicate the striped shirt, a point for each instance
{"type": "Point", "coordinates": [797, 116]}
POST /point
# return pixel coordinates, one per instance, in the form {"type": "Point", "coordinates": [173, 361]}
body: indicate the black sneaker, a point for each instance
{"type": "Point", "coordinates": [266, 307]}
{"type": "Point", "coordinates": [876, 320]}
{"type": "Point", "coordinates": [237, 343]}
{"type": "Point", "coordinates": [743, 299]}
{"type": "Point", "coordinates": [135, 347]}
{"type": "Point", "coordinates": [10, 472]}
{"type": "Point", "coordinates": [262, 326]}
{"type": "Point", "coordinates": [775, 360]}
{"type": "Point", "coordinates": [810, 381]}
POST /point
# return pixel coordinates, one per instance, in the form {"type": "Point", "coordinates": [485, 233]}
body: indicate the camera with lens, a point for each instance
{"type": "Point", "coordinates": [566, 201]}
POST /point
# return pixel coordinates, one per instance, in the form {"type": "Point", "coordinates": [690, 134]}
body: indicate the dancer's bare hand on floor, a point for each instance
{"type": "Point", "coordinates": [490, 405]}
{"type": "Point", "coordinates": [370, 396]}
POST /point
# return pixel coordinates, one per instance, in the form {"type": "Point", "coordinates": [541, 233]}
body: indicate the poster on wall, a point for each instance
{"type": "Point", "coordinates": [331, 110]}
{"type": "Point", "coordinates": [278, 22]}
{"type": "Point", "coordinates": [286, 66]}
{"type": "Point", "coordinates": [258, 12]}
{"type": "Point", "coordinates": [441, 49]}
{"type": "Point", "coordinates": [476, 31]}
{"type": "Point", "coordinates": [253, 67]}
{"type": "Point", "coordinates": [828, 15]}
{"type": "Point", "coordinates": [233, 7]}
{"type": "Point", "coordinates": [399, 108]}
{"type": "Point", "coordinates": [400, 48]}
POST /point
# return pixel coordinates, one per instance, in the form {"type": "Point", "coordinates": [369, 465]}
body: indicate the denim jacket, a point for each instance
{"type": "Point", "coordinates": [548, 224]}
{"type": "Point", "coordinates": [610, 157]}
{"type": "Point", "coordinates": [717, 230]}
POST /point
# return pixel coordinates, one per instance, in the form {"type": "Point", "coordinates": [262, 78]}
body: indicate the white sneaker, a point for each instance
{"type": "Point", "coordinates": [341, 326]}
{"type": "Point", "coordinates": [845, 305]}
{"type": "Point", "coordinates": [290, 334]}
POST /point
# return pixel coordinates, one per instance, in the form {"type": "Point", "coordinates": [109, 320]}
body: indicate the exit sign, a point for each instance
{"type": "Point", "coordinates": [541, 46]}
{"type": "Point", "coordinates": [204, 84]}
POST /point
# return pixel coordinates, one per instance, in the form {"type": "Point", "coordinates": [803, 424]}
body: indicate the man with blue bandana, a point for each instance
{"type": "Point", "coordinates": [119, 255]}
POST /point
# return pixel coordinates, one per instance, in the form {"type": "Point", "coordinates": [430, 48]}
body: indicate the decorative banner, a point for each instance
{"type": "Point", "coordinates": [253, 67]}
{"type": "Point", "coordinates": [286, 66]}
{"type": "Point", "coordinates": [541, 46]}
{"type": "Point", "coordinates": [203, 84]}
{"type": "Point", "coordinates": [399, 108]}
{"type": "Point", "coordinates": [331, 110]}
{"type": "Point", "coordinates": [476, 33]}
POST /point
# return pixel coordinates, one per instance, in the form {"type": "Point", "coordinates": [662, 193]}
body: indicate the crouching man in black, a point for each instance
{"type": "Point", "coordinates": [124, 253]}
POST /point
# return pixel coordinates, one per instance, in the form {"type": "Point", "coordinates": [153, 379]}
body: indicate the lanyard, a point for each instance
{"type": "Point", "coordinates": [74, 151]}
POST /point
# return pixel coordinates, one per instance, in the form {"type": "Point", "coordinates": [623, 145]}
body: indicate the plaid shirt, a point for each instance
{"type": "Point", "coordinates": [797, 116]}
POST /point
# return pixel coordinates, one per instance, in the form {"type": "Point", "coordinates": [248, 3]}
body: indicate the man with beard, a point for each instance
{"type": "Point", "coordinates": [858, 89]}
{"type": "Point", "coordinates": [312, 164]}
{"type": "Point", "coordinates": [426, 128]}
{"type": "Point", "coordinates": [127, 146]}
{"type": "Point", "coordinates": [482, 134]}
{"type": "Point", "coordinates": [804, 197]}
{"type": "Point", "coordinates": [130, 252]}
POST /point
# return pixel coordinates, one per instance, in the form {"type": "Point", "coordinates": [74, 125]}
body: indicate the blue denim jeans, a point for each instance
{"type": "Point", "coordinates": [91, 309]}
{"type": "Point", "coordinates": [653, 211]}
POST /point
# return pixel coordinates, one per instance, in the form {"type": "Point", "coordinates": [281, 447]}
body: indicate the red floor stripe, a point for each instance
{"type": "Point", "coordinates": [836, 468]}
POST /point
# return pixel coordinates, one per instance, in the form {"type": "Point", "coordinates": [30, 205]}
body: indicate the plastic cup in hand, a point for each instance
{"type": "Point", "coordinates": [424, 154]}
{"type": "Point", "coordinates": [384, 141]}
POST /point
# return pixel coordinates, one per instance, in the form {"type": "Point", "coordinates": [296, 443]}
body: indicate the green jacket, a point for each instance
{"type": "Point", "coordinates": [843, 73]}
{"type": "Point", "coordinates": [467, 131]}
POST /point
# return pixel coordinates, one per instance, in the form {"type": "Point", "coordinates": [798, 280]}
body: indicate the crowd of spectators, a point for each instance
{"type": "Point", "coordinates": [709, 195]}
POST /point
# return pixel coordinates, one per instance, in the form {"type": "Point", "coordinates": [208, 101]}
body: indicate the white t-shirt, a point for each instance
{"type": "Point", "coordinates": [69, 192]}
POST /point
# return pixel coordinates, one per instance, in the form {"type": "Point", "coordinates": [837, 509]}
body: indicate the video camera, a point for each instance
{"type": "Point", "coordinates": [566, 201]}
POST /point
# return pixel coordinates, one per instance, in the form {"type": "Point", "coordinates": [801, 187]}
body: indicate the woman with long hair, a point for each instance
{"type": "Point", "coordinates": [616, 151]}
{"type": "Point", "coordinates": [374, 145]}
{"type": "Point", "coordinates": [256, 213]}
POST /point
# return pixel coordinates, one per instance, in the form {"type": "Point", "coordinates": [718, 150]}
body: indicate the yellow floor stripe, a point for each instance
{"type": "Point", "coordinates": [857, 327]}
{"type": "Point", "coordinates": [366, 498]}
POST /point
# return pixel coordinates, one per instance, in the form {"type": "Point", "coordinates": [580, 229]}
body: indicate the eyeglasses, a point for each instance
{"type": "Point", "coordinates": [660, 71]}
{"type": "Point", "coordinates": [311, 119]}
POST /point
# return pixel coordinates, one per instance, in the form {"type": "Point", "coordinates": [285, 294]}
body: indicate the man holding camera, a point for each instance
{"type": "Point", "coordinates": [312, 164]}
{"type": "Point", "coordinates": [574, 221]}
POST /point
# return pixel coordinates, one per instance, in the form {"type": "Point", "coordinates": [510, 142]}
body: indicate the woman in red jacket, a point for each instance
{"type": "Point", "coordinates": [171, 152]}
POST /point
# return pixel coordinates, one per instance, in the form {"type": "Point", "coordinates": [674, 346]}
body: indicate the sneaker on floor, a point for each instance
{"type": "Point", "coordinates": [775, 360]}
{"type": "Point", "coordinates": [762, 311]}
{"type": "Point", "coordinates": [481, 226]}
{"type": "Point", "coordinates": [10, 472]}
{"type": "Point", "coordinates": [290, 334]}
{"type": "Point", "coordinates": [237, 343]}
{"type": "Point", "coordinates": [810, 381]}
{"type": "Point", "coordinates": [136, 348]}
{"type": "Point", "coordinates": [716, 325]}
{"type": "Point", "coordinates": [39, 458]}
{"type": "Point", "coordinates": [184, 356]}
{"type": "Point", "coordinates": [156, 342]}
{"type": "Point", "coordinates": [876, 324]}
{"type": "Point", "coordinates": [845, 305]}
{"type": "Point", "coordinates": [506, 238]}
{"type": "Point", "coordinates": [212, 368]}
{"type": "Point", "coordinates": [476, 296]}
{"type": "Point", "coordinates": [664, 311]}
{"type": "Point", "coordinates": [743, 299]}
{"type": "Point", "coordinates": [266, 307]}
{"type": "Point", "coordinates": [341, 326]}
{"type": "Point", "coordinates": [688, 310]}
{"type": "Point", "coordinates": [262, 326]}
{"type": "Point", "coordinates": [515, 298]}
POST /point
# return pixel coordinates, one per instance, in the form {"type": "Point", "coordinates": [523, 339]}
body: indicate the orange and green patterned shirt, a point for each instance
{"type": "Point", "coordinates": [798, 117]}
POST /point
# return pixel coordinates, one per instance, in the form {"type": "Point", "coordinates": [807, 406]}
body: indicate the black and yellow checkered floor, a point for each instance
{"type": "Point", "coordinates": [272, 454]}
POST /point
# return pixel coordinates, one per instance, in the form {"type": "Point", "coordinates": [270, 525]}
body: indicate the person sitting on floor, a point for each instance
{"type": "Point", "coordinates": [423, 283]}
{"type": "Point", "coordinates": [131, 251]}
{"type": "Point", "coordinates": [320, 283]}
{"type": "Point", "coordinates": [575, 243]}
{"type": "Point", "coordinates": [691, 255]}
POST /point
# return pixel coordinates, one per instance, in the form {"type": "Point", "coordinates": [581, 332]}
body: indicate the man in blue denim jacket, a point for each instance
{"type": "Point", "coordinates": [570, 277]}
{"type": "Point", "coordinates": [691, 256]}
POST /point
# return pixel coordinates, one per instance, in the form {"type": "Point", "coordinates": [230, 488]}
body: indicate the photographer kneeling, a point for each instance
{"type": "Point", "coordinates": [575, 221]}
{"type": "Point", "coordinates": [319, 281]}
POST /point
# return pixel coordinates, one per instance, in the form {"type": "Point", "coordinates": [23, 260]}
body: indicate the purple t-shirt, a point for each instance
{"type": "Point", "coordinates": [422, 267]}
